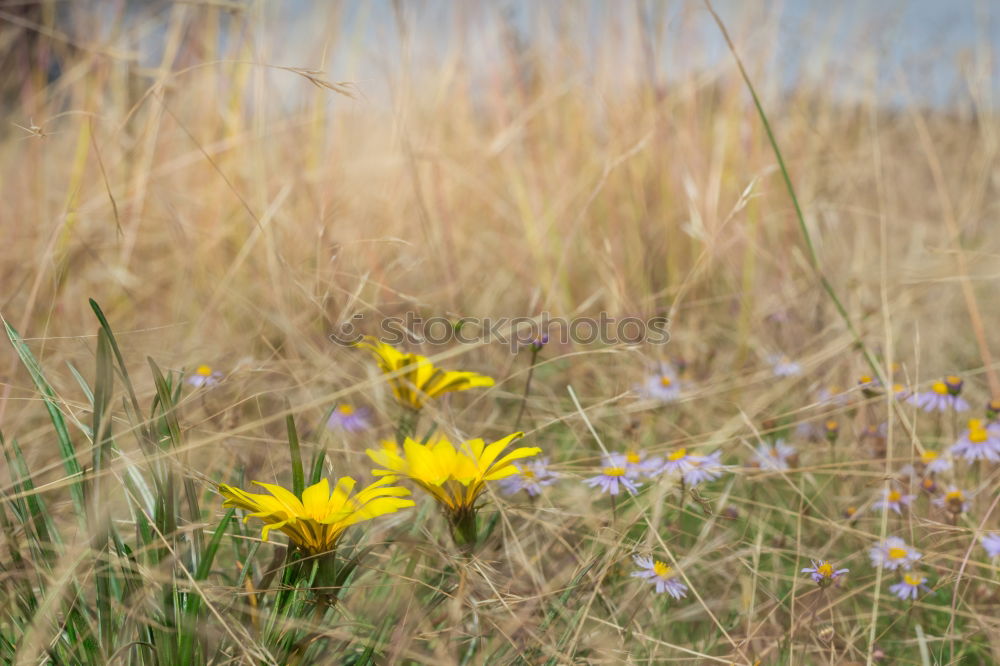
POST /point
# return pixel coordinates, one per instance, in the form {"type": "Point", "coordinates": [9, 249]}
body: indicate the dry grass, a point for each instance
{"type": "Point", "coordinates": [228, 211]}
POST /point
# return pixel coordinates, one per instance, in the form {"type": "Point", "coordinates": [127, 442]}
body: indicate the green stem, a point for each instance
{"type": "Point", "coordinates": [813, 257]}
{"type": "Point", "coordinates": [407, 424]}
{"type": "Point", "coordinates": [680, 500]}
{"type": "Point", "coordinates": [464, 529]}
{"type": "Point", "coordinates": [527, 387]}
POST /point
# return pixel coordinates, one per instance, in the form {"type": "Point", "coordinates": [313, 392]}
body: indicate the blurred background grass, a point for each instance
{"type": "Point", "coordinates": [233, 180]}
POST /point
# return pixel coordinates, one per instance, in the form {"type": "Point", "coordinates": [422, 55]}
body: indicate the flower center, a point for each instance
{"type": "Point", "coordinates": [832, 425]}
{"type": "Point", "coordinates": [940, 388]}
{"type": "Point", "coordinates": [662, 569]}
{"type": "Point", "coordinates": [897, 553]}
{"type": "Point", "coordinates": [528, 473]}
{"type": "Point", "coordinates": [666, 381]}
{"type": "Point", "coordinates": [913, 581]}
{"type": "Point", "coordinates": [677, 455]}
{"type": "Point", "coordinates": [894, 496]}
{"type": "Point", "coordinates": [929, 456]}
{"type": "Point", "coordinates": [825, 569]}
{"type": "Point", "coordinates": [953, 496]}
{"type": "Point", "coordinates": [346, 410]}
{"type": "Point", "coordinates": [203, 370]}
{"type": "Point", "coordinates": [614, 471]}
{"type": "Point", "coordinates": [864, 379]}
{"type": "Point", "coordinates": [977, 433]}
{"type": "Point", "coordinates": [633, 458]}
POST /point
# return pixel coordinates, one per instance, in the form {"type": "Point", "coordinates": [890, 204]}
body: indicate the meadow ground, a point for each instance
{"type": "Point", "coordinates": [186, 223]}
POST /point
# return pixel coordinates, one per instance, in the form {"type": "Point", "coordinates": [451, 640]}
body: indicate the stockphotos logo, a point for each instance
{"type": "Point", "coordinates": [514, 332]}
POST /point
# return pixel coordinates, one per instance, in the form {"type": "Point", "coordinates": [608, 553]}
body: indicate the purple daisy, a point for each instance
{"type": "Point", "coordinates": [978, 442]}
{"type": "Point", "coordinates": [662, 385]}
{"type": "Point", "coordinates": [823, 573]}
{"type": "Point", "coordinates": [910, 587]}
{"type": "Point", "coordinates": [773, 457]}
{"type": "Point", "coordinates": [349, 418]}
{"type": "Point", "coordinates": [954, 500]}
{"type": "Point", "coordinates": [991, 543]}
{"type": "Point", "coordinates": [941, 397]}
{"type": "Point", "coordinates": [893, 500]}
{"type": "Point", "coordinates": [661, 574]}
{"type": "Point", "coordinates": [612, 479]}
{"type": "Point", "coordinates": [782, 366]}
{"type": "Point", "coordinates": [531, 477]}
{"type": "Point", "coordinates": [892, 554]}
{"type": "Point", "coordinates": [204, 376]}
{"type": "Point", "coordinates": [704, 468]}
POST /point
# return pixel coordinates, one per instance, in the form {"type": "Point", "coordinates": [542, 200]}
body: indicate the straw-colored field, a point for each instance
{"type": "Point", "coordinates": [235, 197]}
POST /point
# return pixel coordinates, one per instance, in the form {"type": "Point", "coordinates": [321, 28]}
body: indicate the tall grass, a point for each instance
{"type": "Point", "coordinates": [229, 208]}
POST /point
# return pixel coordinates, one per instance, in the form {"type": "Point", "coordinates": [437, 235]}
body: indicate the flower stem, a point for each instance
{"type": "Point", "coordinates": [407, 424]}
{"type": "Point", "coordinates": [464, 529]}
{"type": "Point", "coordinates": [527, 387]}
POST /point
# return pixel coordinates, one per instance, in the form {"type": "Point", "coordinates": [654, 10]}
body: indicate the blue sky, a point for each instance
{"type": "Point", "coordinates": [935, 52]}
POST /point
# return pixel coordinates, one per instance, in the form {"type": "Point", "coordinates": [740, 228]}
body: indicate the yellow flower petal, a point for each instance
{"type": "Point", "coordinates": [489, 455]}
{"type": "Point", "coordinates": [316, 523]}
{"type": "Point", "coordinates": [454, 476]}
{"type": "Point", "coordinates": [432, 465]}
{"type": "Point", "coordinates": [285, 498]}
{"type": "Point", "coordinates": [315, 498]}
{"type": "Point", "coordinates": [502, 468]}
{"type": "Point", "coordinates": [414, 378]}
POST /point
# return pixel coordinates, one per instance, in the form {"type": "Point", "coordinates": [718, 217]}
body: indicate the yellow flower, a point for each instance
{"type": "Point", "coordinates": [415, 378]}
{"type": "Point", "coordinates": [454, 476]}
{"type": "Point", "coordinates": [316, 522]}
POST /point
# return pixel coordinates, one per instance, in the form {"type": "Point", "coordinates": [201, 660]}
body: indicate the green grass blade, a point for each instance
{"type": "Point", "coordinates": [103, 388]}
{"type": "Point", "coordinates": [122, 369]}
{"type": "Point", "coordinates": [100, 522]}
{"type": "Point", "coordinates": [368, 656]}
{"type": "Point", "coordinates": [66, 450]}
{"type": "Point", "coordinates": [171, 425]}
{"type": "Point", "coordinates": [82, 382]}
{"type": "Point", "coordinates": [32, 505]}
{"type": "Point", "coordinates": [208, 556]}
{"type": "Point", "coordinates": [800, 218]}
{"type": "Point", "coordinates": [298, 477]}
{"type": "Point", "coordinates": [317, 466]}
{"type": "Point", "coordinates": [164, 400]}
{"type": "Point", "coordinates": [189, 628]}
